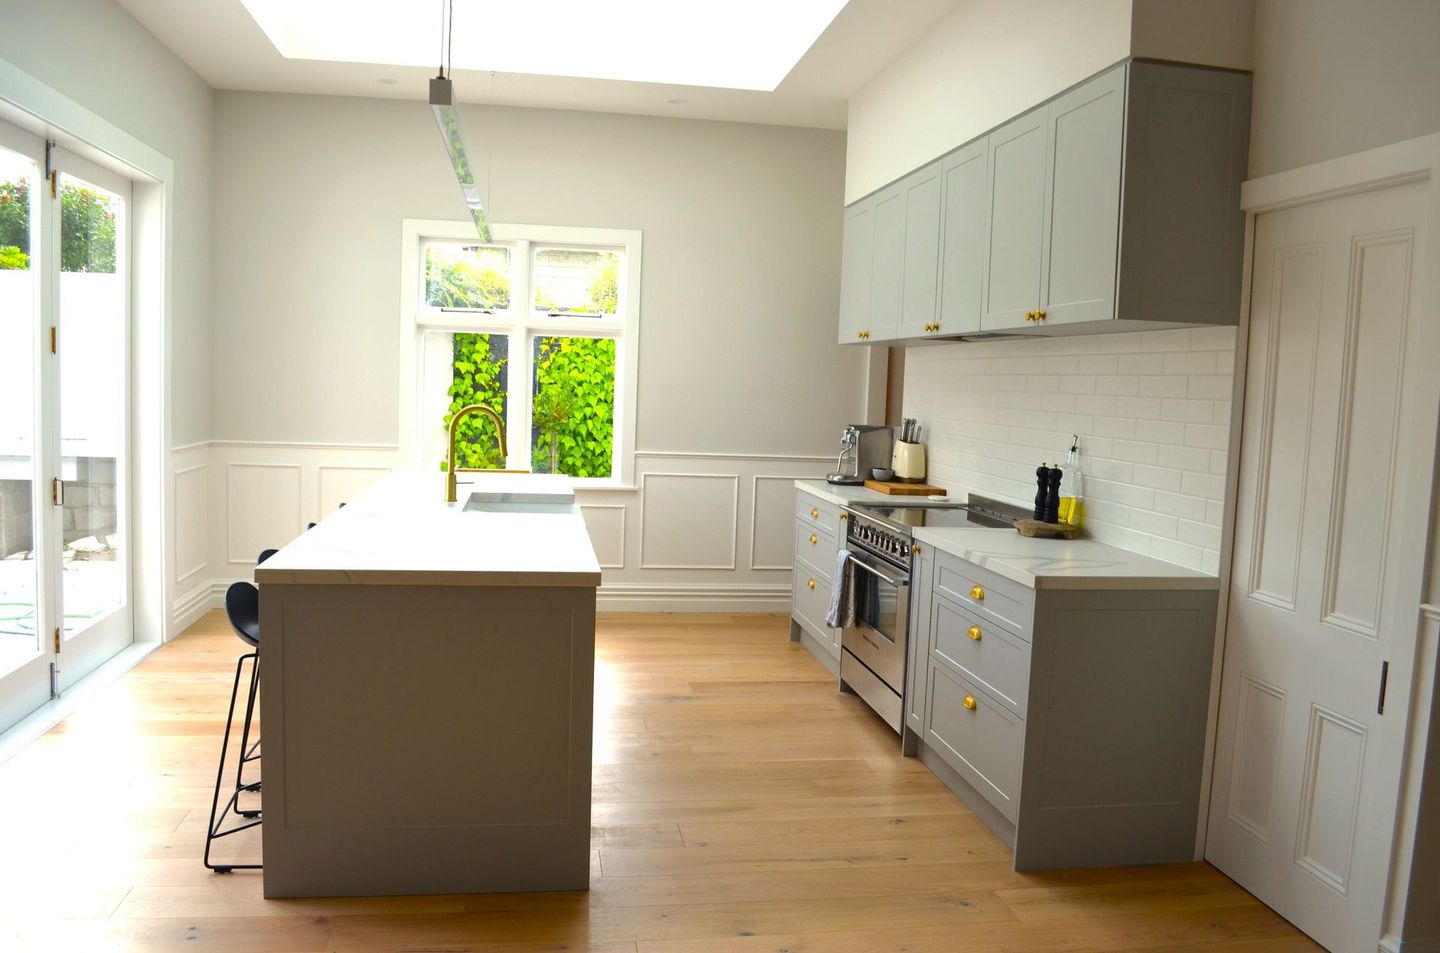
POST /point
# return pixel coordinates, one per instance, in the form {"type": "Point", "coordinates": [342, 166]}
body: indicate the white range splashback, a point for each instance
{"type": "Point", "coordinates": [1152, 410]}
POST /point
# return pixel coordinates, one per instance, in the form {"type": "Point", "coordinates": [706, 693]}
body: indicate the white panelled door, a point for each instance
{"type": "Point", "coordinates": [1306, 771]}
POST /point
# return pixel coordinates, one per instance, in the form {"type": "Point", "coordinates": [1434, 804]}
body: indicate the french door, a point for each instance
{"type": "Point", "coordinates": [65, 568]}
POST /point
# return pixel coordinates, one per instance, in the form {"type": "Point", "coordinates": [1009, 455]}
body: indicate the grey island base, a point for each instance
{"type": "Point", "coordinates": [427, 685]}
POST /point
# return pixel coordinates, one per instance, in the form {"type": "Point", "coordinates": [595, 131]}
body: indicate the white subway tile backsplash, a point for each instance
{"type": "Point", "coordinates": [1152, 410]}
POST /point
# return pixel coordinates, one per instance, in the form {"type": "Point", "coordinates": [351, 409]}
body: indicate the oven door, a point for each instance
{"type": "Point", "coordinates": [882, 615]}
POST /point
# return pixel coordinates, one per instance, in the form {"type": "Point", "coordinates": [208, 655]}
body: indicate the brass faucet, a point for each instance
{"type": "Point", "coordinates": [460, 415]}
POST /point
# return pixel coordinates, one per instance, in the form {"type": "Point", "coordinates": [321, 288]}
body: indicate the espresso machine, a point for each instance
{"type": "Point", "coordinates": [862, 448]}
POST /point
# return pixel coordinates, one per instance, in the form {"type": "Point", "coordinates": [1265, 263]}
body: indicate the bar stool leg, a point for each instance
{"type": "Point", "coordinates": [217, 816]}
{"type": "Point", "coordinates": [249, 752]}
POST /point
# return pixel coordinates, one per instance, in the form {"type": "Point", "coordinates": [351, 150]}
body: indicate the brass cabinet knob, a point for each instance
{"type": "Point", "coordinates": [974, 633]}
{"type": "Point", "coordinates": [969, 703]}
{"type": "Point", "coordinates": [977, 593]}
{"type": "Point", "coordinates": [814, 539]}
{"type": "Point", "coordinates": [814, 513]}
{"type": "Point", "coordinates": [844, 517]}
{"type": "Point", "coordinates": [811, 583]}
{"type": "Point", "coordinates": [914, 547]}
{"type": "Point", "coordinates": [1040, 315]}
{"type": "Point", "coordinates": [859, 335]}
{"type": "Point", "coordinates": [1029, 315]}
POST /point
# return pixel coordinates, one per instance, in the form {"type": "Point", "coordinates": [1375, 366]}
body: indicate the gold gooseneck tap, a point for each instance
{"type": "Point", "coordinates": [460, 415]}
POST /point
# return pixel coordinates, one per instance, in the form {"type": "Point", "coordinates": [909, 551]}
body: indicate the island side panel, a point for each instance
{"type": "Point", "coordinates": [423, 740]}
{"type": "Point", "coordinates": [1115, 727]}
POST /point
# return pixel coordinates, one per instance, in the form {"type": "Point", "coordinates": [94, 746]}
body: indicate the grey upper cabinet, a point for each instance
{"type": "Point", "coordinates": [1015, 216]}
{"type": "Point", "coordinates": [1082, 208]}
{"type": "Point", "coordinates": [856, 260]}
{"type": "Point", "coordinates": [964, 176]}
{"type": "Point", "coordinates": [890, 261]}
{"type": "Point", "coordinates": [887, 279]}
{"type": "Point", "coordinates": [1113, 207]}
{"type": "Point", "coordinates": [920, 287]}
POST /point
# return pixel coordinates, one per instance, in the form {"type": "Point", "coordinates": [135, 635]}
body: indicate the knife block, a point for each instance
{"type": "Point", "coordinates": [908, 462]}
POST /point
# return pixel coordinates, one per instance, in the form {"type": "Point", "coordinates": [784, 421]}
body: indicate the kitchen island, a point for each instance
{"type": "Point", "coordinates": [426, 684]}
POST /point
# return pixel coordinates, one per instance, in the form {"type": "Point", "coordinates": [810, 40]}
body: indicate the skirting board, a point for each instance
{"type": "Point", "coordinates": [1392, 944]}
{"type": "Point", "coordinates": [619, 597]}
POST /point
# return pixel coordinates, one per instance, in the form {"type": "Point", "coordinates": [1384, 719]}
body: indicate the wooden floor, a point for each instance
{"type": "Point", "coordinates": [740, 804]}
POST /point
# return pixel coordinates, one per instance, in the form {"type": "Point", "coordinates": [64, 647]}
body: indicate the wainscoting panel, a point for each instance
{"type": "Point", "coordinates": [340, 484]}
{"type": "Point", "coordinates": [262, 503]}
{"type": "Point", "coordinates": [606, 523]}
{"type": "Point", "coordinates": [191, 524]}
{"type": "Point", "coordinates": [688, 520]}
{"type": "Point", "coordinates": [700, 532]}
{"type": "Point", "coordinates": [772, 522]}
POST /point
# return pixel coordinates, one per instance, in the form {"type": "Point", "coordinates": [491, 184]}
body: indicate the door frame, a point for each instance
{"type": "Point", "coordinates": [1413, 667]}
{"type": "Point", "coordinates": [40, 109]}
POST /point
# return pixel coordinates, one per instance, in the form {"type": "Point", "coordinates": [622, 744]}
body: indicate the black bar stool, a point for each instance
{"type": "Point", "coordinates": [242, 606]}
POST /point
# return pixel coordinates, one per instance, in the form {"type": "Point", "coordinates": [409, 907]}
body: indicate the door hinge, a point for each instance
{"type": "Point", "coordinates": [57, 640]}
{"type": "Point", "coordinates": [51, 172]}
{"type": "Point", "coordinates": [57, 491]}
{"type": "Point", "coordinates": [1384, 681]}
{"type": "Point", "coordinates": [52, 339]}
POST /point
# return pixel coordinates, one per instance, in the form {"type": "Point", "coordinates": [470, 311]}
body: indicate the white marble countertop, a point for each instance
{"type": "Point", "coordinates": [1062, 563]}
{"type": "Point", "coordinates": [401, 532]}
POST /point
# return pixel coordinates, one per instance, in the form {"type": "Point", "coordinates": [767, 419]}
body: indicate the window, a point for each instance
{"type": "Point", "coordinates": [539, 325]}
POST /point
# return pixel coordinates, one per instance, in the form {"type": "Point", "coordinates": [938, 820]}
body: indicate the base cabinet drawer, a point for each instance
{"type": "Point", "coordinates": [993, 657]}
{"type": "Point", "coordinates": [815, 546]}
{"type": "Point", "coordinates": [993, 598]}
{"type": "Point", "coordinates": [977, 737]}
{"type": "Point", "coordinates": [810, 596]}
{"type": "Point", "coordinates": [824, 515]}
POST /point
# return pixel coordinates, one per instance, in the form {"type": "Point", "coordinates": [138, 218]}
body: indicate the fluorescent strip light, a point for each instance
{"type": "Point", "coordinates": [447, 117]}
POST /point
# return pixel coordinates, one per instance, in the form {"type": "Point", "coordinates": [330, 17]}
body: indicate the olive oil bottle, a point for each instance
{"type": "Point", "coordinates": [1072, 492]}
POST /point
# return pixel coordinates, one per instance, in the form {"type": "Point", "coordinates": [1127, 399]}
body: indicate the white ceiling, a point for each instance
{"type": "Point", "coordinates": [221, 42]}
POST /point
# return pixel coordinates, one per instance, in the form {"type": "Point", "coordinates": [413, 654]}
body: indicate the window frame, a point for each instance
{"type": "Point", "coordinates": [522, 324]}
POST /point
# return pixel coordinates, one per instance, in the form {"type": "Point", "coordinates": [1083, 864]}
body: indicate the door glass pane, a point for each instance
{"type": "Point", "coordinates": [573, 406]}
{"type": "Point", "coordinates": [467, 276]}
{"type": "Point", "coordinates": [92, 401]}
{"type": "Point", "coordinates": [577, 281]}
{"type": "Point", "coordinates": [19, 628]}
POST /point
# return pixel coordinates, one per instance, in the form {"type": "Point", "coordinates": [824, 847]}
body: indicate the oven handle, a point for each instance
{"type": "Point", "coordinates": [899, 582]}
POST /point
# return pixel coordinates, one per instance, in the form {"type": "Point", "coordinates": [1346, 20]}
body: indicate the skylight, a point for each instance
{"type": "Point", "coordinates": [731, 44]}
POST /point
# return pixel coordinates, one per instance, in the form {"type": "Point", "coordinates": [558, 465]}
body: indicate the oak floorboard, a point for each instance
{"type": "Point", "coordinates": [741, 804]}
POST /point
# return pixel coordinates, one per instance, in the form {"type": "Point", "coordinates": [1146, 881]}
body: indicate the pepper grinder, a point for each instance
{"type": "Point", "coordinates": [1042, 484]}
{"type": "Point", "coordinates": [1052, 495]}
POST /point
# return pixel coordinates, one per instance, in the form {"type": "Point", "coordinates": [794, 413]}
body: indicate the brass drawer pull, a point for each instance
{"type": "Point", "coordinates": [811, 583]}
{"type": "Point", "coordinates": [974, 633]}
{"type": "Point", "coordinates": [969, 702]}
{"type": "Point", "coordinates": [814, 513]}
{"type": "Point", "coordinates": [814, 539]}
{"type": "Point", "coordinates": [977, 593]}
{"type": "Point", "coordinates": [914, 547]}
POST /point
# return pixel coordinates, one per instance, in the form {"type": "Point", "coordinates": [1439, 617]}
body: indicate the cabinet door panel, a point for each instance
{"type": "Point", "coordinates": [962, 256]}
{"type": "Point", "coordinates": [920, 291]}
{"type": "Point", "coordinates": [887, 277]}
{"type": "Point", "coordinates": [919, 649]}
{"type": "Point", "coordinates": [1016, 219]}
{"type": "Point", "coordinates": [1082, 216]}
{"type": "Point", "coordinates": [857, 259]}
{"type": "Point", "coordinates": [980, 740]}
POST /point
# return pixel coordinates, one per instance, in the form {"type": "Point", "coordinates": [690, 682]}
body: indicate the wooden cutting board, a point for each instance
{"type": "Point", "coordinates": [905, 489]}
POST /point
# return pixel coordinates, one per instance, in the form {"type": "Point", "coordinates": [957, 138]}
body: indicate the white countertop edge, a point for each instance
{"type": "Point", "coordinates": [540, 579]}
{"type": "Point", "coordinates": [840, 495]}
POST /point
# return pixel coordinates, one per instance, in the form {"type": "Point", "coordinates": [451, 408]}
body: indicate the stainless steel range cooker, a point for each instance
{"type": "Point", "coordinates": [880, 539]}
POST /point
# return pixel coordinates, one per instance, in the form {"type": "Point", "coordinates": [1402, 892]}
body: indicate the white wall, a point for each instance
{"type": "Point", "coordinates": [1152, 410]}
{"type": "Point", "coordinates": [742, 386]}
{"type": "Point", "coordinates": [96, 54]}
{"type": "Point", "coordinates": [741, 280]}
{"type": "Point", "coordinates": [1334, 77]}
{"type": "Point", "coordinates": [977, 67]}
